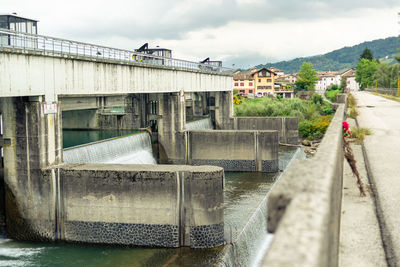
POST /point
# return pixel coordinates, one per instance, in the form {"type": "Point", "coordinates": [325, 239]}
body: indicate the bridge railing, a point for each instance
{"type": "Point", "coordinates": [26, 41]}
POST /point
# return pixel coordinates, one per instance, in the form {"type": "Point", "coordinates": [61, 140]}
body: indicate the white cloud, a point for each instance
{"type": "Point", "coordinates": [238, 31]}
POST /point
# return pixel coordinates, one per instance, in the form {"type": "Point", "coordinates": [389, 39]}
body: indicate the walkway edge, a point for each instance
{"type": "Point", "coordinates": [385, 233]}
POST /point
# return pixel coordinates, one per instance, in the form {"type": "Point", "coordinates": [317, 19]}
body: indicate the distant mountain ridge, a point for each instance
{"type": "Point", "coordinates": [346, 57]}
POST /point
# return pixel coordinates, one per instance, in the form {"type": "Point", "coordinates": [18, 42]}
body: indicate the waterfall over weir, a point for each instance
{"type": "Point", "coordinates": [202, 124]}
{"type": "Point", "coordinates": [131, 149]}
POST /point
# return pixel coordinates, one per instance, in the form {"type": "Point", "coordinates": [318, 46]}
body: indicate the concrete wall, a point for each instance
{"type": "Point", "coordinates": [142, 205]}
{"type": "Point", "coordinates": [234, 150]}
{"type": "Point", "coordinates": [35, 143]}
{"type": "Point", "coordinates": [80, 119]}
{"type": "Point", "coordinates": [287, 127]}
{"type": "Point", "coordinates": [30, 73]}
{"type": "Point", "coordinates": [304, 206]}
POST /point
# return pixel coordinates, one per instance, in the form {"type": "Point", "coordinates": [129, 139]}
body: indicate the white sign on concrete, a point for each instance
{"type": "Point", "coordinates": [49, 108]}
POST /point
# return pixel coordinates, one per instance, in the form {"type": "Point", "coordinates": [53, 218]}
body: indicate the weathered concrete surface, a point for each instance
{"type": "Point", "coordinates": [234, 150]}
{"type": "Point", "coordinates": [35, 143]}
{"type": "Point", "coordinates": [304, 206]}
{"type": "Point", "coordinates": [286, 127]}
{"type": "Point", "coordinates": [25, 73]}
{"type": "Point", "coordinates": [382, 148]}
{"type": "Point", "coordinates": [360, 236]}
{"type": "Point", "coordinates": [158, 205]}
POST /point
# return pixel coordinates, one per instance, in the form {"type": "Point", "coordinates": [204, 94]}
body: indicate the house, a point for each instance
{"type": "Point", "coordinates": [351, 84]}
{"type": "Point", "coordinates": [326, 80]}
{"type": "Point", "coordinates": [277, 71]}
{"type": "Point", "coordinates": [255, 81]}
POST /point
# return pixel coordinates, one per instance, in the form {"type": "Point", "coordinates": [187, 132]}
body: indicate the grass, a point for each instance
{"type": "Point", "coordinates": [359, 134]}
{"type": "Point", "coordinates": [314, 115]}
{"type": "Point", "coordinates": [351, 101]}
{"type": "Point", "coordinates": [331, 94]}
{"type": "Point", "coordinates": [353, 112]}
{"type": "Point", "coordinates": [391, 97]}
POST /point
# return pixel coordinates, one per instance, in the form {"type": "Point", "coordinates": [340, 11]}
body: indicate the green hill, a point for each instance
{"type": "Point", "coordinates": [383, 49]}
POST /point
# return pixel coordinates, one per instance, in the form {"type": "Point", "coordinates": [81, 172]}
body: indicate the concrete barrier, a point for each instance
{"type": "Point", "coordinates": [390, 91]}
{"type": "Point", "coordinates": [141, 205]}
{"type": "Point", "coordinates": [304, 206]}
{"type": "Point", "coordinates": [234, 150]}
{"type": "Point", "coordinates": [287, 127]}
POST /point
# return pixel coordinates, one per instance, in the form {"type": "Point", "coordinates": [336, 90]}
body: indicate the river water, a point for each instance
{"type": "Point", "coordinates": [243, 194]}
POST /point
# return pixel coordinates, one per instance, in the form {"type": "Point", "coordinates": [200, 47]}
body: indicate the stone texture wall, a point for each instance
{"type": "Point", "coordinates": [141, 205]}
{"type": "Point", "coordinates": [304, 206]}
{"type": "Point", "coordinates": [234, 150]}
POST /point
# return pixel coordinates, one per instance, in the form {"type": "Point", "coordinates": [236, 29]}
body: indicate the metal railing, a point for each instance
{"type": "Point", "coordinates": [34, 42]}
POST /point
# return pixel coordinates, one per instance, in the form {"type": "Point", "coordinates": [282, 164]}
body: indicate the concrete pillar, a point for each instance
{"type": "Point", "coordinates": [223, 110]}
{"type": "Point", "coordinates": [35, 143]}
{"type": "Point", "coordinates": [171, 138]}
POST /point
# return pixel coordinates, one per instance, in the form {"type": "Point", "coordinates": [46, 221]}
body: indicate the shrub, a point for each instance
{"type": "Point", "coordinates": [333, 87]}
{"type": "Point", "coordinates": [331, 94]}
{"type": "Point", "coordinates": [322, 123]}
{"type": "Point", "coordinates": [360, 133]}
{"type": "Point", "coordinates": [327, 110]}
{"type": "Point", "coordinates": [351, 101]}
{"type": "Point", "coordinates": [306, 128]}
{"type": "Point", "coordinates": [353, 112]}
{"type": "Point", "coordinates": [317, 99]}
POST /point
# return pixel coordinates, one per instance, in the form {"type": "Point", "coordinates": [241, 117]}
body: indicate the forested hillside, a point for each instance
{"type": "Point", "coordinates": [344, 57]}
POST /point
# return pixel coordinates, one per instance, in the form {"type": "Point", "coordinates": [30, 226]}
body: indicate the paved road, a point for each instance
{"type": "Point", "coordinates": [382, 116]}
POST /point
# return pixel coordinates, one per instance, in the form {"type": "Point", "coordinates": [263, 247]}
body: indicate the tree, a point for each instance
{"type": "Point", "coordinates": [367, 54]}
{"type": "Point", "coordinates": [365, 72]}
{"type": "Point", "coordinates": [397, 57]}
{"type": "Point", "coordinates": [307, 76]}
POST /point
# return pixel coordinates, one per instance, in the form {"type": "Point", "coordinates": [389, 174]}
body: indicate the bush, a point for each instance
{"type": "Point", "coordinates": [360, 133]}
{"type": "Point", "coordinates": [314, 129]}
{"type": "Point", "coordinates": [317, 99]}
{"type": "Point", "coordinates": [353, 112]}
{"type": "Point", "coordinates": [333, 87]}
{"type": "Point", "coordinates": [331, 94]}
{"type": "Point", "coordinates": [351, 101]}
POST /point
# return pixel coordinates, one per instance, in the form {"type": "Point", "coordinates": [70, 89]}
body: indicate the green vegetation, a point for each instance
{"type": "Point", "coordinates": [365, 71]}
{"type": "Point", "coordinates": [314, 116]}
{"type": "Point", "coordinates": [346, 57]}
{"type": "Point", "coordinates": [351, 101]}
{"type": "Point", "coordinates": [332, 92]}
{"type": "Point", "coordinates": [359, 134]}
{"type": "Point", "coordinates": [307, 77]}
{"type": "Point", "coordinates": [367, 54]}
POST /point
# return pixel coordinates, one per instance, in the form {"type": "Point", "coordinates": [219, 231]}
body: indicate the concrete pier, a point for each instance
{"type": "Point", "coordinates": [35, 143]}
{"type": "Point", "coordinates": [141, 205]}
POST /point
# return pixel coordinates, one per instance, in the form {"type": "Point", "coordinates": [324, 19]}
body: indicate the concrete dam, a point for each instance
{"type": "Point", "coordinates": [86, 194]}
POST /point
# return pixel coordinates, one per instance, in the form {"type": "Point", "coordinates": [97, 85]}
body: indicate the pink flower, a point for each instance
{"type": "Point", "coordinates": [345, 126]}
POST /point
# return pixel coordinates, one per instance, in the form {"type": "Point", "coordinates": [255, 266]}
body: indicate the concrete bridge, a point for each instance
{"type": "Point", "coordinates": [47, 84]}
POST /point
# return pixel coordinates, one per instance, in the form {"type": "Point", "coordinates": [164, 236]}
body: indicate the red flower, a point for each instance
{"type": "Point", "coordinates": [345, 126]}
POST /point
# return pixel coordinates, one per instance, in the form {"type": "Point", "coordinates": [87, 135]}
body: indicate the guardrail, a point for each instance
{"type": "Point", "coordinates": [35, 42]}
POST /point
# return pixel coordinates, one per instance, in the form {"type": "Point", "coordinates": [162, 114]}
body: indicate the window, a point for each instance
{"type": "Point", "coordinates": [269, 80]}
{"type": "Point", "coordinates": [241, 84]}
{"type": "Point", "coordinates": [250, 91]}
{"type": "Point", "coordinates": [259, 80]}
{"type": "Point", "coordinates": [268, 87]}
{"type": "Point", "coordinates": [250, 84]}
{"type": "Point", "coordinates": [241, 91]}
{"type": "Point", "coordinates": [236, 84]}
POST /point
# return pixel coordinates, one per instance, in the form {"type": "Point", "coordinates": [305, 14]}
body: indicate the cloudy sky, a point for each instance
{"type": "Point", "coordinates": [240, 32]}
